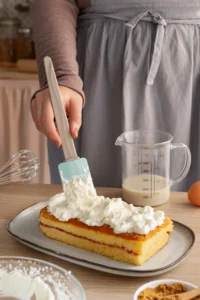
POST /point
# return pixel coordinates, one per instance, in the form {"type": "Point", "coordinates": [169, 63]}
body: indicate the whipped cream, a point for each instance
{"type": "Point", "coordinates": [15, 284]}
{"type": "Point", "coordinates": [80, 201]}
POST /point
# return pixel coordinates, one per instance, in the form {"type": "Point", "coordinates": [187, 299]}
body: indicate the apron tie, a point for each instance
{"type": "Point", "coordinates": [158, 44]}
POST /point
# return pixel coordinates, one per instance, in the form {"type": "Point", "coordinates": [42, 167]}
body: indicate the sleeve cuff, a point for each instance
{"type": "Point", "coordinates": [74, 84]}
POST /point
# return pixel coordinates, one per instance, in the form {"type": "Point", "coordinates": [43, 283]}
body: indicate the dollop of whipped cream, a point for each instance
{"type": "Point", "coordinates": [80, 201]}
{"type": "Point", "coordinates": [15, 284]}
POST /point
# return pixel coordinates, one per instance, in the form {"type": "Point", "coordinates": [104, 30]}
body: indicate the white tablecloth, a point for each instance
{"type": "Point", "coordinates": [17, 130]}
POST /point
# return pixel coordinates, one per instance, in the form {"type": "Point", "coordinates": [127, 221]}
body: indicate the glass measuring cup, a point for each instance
{"type": "Point", "coordinates": [146, 166]}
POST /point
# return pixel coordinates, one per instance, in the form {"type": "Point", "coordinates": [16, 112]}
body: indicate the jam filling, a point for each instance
{"type": "Point", "coordinates": [90, 240]}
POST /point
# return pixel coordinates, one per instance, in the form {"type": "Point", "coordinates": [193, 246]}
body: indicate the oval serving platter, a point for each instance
{"type": "Point", "coordinates": [25, 228]}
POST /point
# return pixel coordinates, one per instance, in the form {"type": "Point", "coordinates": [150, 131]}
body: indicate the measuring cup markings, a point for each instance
{"type": "Point", "coordinates": [149, 180]}
{"type": "Point", "coordinates": [150, 168]}
{"type": "Point", "coordinates": [146, 168]}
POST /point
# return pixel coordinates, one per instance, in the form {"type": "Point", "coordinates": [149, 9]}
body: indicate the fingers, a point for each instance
{"type": "Point", "coordinates": [48, 124]}
{"type": "Point", "coordinates": [32, 109]}
{"type": "Point", "coordinates": [75, 116]}
{"type": "Point", "coordinates": [36, 112]}
{"type": "Point", "coordinates": [43, 116]}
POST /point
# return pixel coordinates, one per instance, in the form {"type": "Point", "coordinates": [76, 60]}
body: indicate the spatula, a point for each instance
{"type": "Point", "coordinates": [73, 165]}
{"type": "Point", "coordinates": [183, 296]}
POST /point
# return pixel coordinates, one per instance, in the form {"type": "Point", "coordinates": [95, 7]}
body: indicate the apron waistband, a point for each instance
{"type": "Point", "coordinates": [159, 40]}
{"type": "Point", "coordinates": [148, 16]}
{"type": "Point", "coordinates": [158, 44]}
{"type": "Point", "coordinates": [158, 3]}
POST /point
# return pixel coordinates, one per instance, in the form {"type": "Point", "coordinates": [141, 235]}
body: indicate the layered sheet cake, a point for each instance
{"type": "Point", "coordinates": [109, 227]}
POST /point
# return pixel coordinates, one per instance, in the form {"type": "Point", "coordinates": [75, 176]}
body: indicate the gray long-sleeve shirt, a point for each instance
{"type": "Point", "coordinates": [54, 28]}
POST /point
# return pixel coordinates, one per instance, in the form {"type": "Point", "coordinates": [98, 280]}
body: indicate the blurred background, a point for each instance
{"type": "Point", "coordinates": [18, 82]}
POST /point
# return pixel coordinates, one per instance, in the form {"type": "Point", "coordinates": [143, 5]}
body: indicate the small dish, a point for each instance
{"type": "Point", "coordinates": [155, 283]}
{"type": "Point", "coordinates": [62, 284]}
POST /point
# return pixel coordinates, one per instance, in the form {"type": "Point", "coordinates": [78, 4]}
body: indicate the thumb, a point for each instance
{"type": "Point", "coordinates": [75, 117]}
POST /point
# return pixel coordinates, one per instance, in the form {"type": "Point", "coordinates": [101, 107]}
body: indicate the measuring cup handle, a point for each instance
{"type": "Point", "coordinates": [187, 163]}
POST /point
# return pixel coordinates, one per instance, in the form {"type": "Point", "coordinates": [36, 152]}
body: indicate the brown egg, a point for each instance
{"type": "Point", "coordinates": [194, 194]}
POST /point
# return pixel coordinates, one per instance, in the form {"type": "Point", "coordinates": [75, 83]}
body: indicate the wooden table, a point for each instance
{"type": "Point", "coordinates": [98, 285]}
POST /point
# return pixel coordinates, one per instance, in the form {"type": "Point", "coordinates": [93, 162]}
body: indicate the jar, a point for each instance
{"type": "Point", "coordinates": [8, 35]}
{"type": "Point", "coordinates": [24, 44]}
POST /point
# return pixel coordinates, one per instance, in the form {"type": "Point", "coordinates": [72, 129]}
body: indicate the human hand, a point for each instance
{"type": "Point", "coordinates": [43, 115]}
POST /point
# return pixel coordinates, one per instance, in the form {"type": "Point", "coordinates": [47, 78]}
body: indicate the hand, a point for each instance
{"type": "Point", "coordinates": [43, 115]}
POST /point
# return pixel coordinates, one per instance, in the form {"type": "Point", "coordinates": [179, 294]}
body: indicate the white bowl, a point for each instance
{"type": "Point", "coordinates": [155, 283]}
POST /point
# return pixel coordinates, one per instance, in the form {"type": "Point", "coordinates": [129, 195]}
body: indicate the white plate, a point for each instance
{"type": "Point", "coordinates": [25, 228]}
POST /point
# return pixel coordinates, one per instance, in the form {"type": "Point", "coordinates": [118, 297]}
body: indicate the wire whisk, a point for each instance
{"type": "Point", "coordinates": [22, 167]}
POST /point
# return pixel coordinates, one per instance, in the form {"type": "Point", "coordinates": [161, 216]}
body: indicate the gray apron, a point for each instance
{"type": "Point", "coordinates": [140, 64]}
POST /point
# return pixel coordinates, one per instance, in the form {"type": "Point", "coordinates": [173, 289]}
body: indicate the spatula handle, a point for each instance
{"type": "Point", "coordinates": [189, 295]}
{"type": "Point", "coordinates": [59, 112]}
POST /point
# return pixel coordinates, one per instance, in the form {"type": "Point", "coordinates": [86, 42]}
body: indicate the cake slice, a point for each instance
{"type": "Point", "coordinates": [128, 247]}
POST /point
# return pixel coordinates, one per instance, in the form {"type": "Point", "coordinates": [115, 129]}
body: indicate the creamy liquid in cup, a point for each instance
{"type": "Point", "coordinates": [146, 189]}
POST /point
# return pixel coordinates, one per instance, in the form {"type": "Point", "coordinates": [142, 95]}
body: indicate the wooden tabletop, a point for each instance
{"type": "Point", "coordinates": [98, 285]}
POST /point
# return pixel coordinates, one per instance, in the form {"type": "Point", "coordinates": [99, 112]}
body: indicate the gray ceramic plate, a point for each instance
{"type": "Point", "coordinates": [25, 228]}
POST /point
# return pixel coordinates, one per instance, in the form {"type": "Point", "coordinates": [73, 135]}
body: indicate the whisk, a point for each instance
{"type": "Point", "coordinates": [22, 166]}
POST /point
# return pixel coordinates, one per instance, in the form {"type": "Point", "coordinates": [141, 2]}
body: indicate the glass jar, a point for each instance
{"type": "Point", "coordinates": [8, 35]}
{"type": "Point", "coordinates": [24, 44]}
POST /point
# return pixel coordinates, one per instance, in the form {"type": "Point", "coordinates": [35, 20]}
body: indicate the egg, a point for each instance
{"type": "Point", "coordinates": [194, 194]}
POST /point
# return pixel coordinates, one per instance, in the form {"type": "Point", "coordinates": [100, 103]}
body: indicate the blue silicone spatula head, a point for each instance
{"type": "Point", "coordinates": [73, 168]}
{"type": "Point", "coordinates": [73, 165]}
